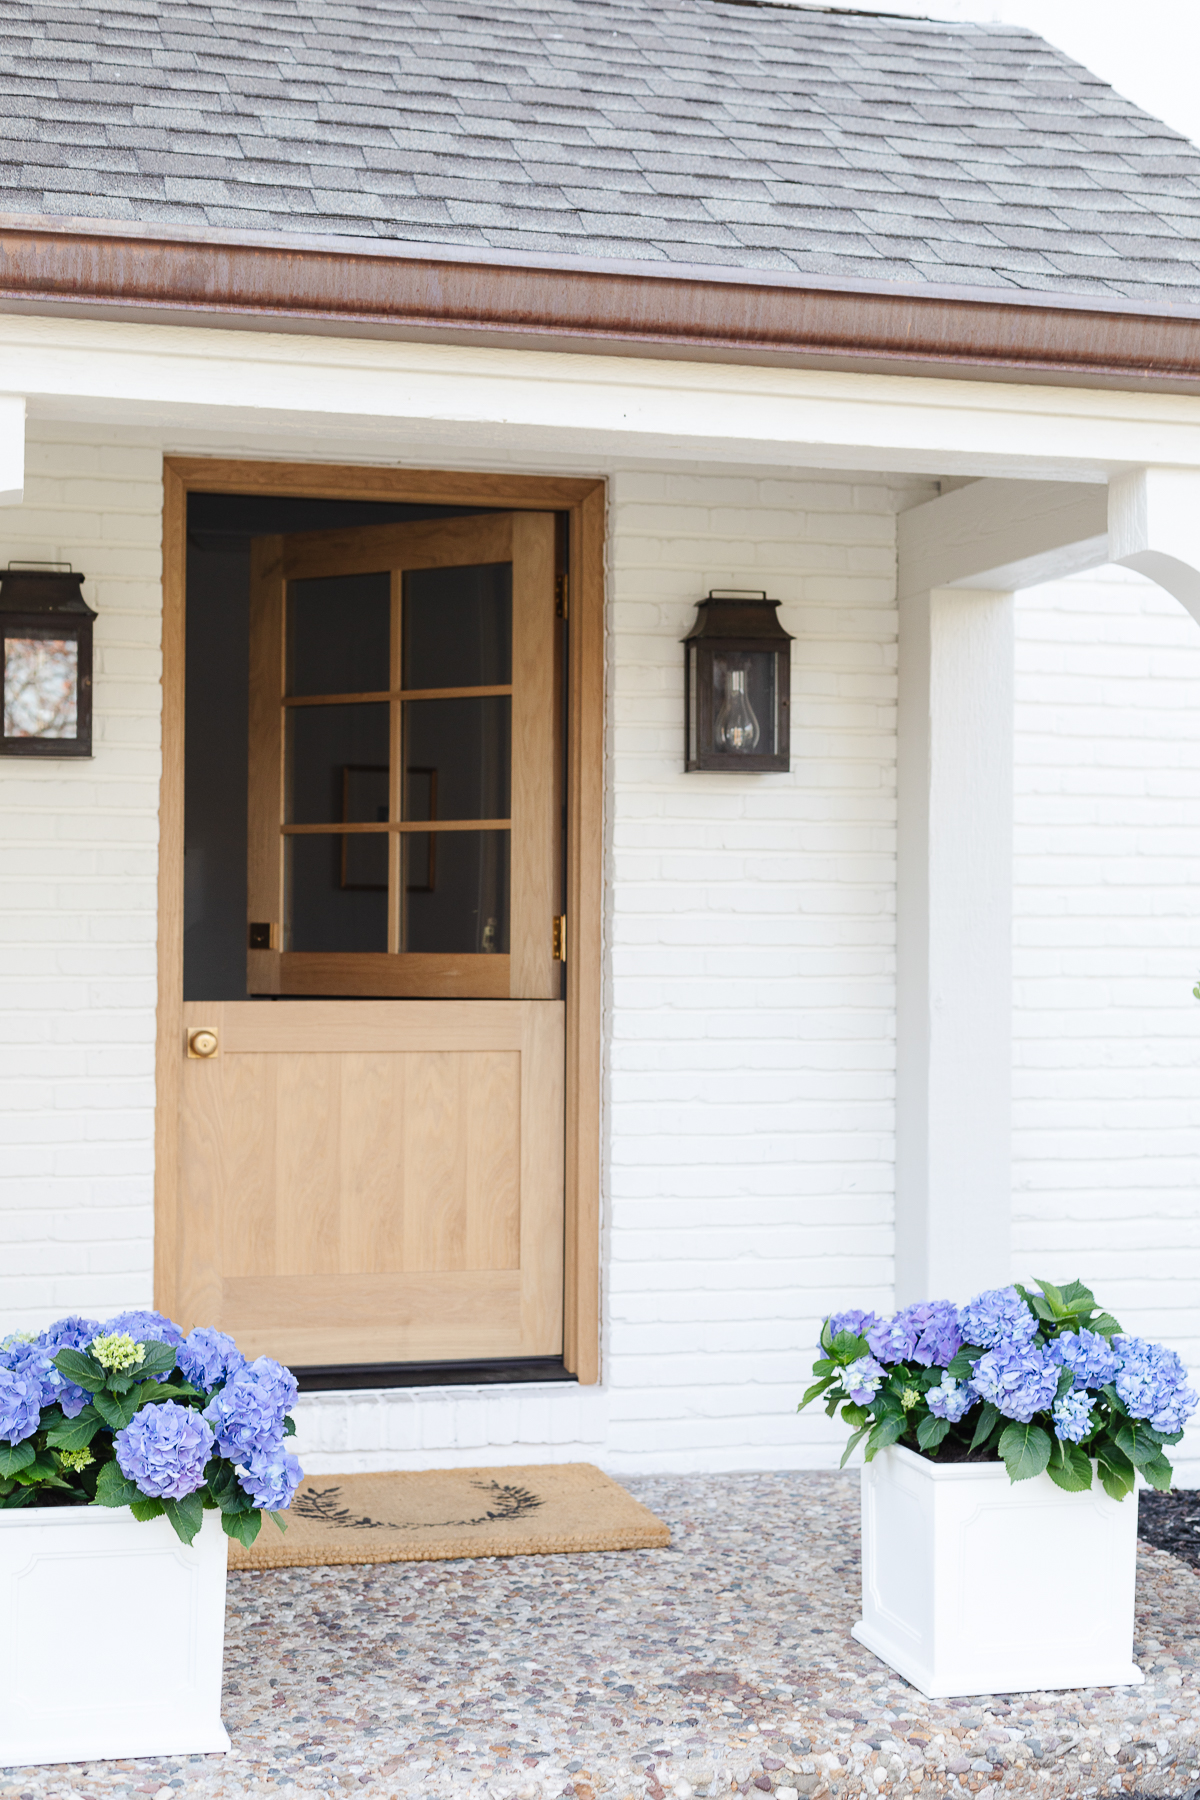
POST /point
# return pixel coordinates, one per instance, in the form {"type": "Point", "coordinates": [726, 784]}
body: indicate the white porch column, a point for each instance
{"type": "Point", "coordinates": [954, 943]}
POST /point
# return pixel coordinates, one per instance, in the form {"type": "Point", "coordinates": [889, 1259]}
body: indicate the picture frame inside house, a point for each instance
{"type": "Point", "coordinates": [45, 662]}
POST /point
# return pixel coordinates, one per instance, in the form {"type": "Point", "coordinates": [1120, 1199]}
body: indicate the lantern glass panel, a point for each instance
{"type": "Point", "coordinates": [41, 687]}
{"type": "Point", "coordinates": [745, 703]}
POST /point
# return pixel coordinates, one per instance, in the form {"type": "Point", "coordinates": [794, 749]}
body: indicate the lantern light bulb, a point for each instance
{"type": "Point", "coordinates": [736, 726]}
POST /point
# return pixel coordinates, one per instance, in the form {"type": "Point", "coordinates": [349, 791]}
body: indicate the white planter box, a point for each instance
{"type": "Point", "coordinates": [971, 1585]}
{"type": "Point", "coordinates": [111, 1636]}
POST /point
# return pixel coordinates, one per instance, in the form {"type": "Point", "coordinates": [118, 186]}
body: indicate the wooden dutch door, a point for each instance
{"type": "Point", "coordinates": [371, 1161]}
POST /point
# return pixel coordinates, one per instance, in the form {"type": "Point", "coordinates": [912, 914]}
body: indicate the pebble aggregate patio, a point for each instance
{"type": "Point", "coordinates": [723, 1663]}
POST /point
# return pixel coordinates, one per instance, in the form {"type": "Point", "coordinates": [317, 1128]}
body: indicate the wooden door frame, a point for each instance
{"type": "Point", "coordinates": [584, 501]}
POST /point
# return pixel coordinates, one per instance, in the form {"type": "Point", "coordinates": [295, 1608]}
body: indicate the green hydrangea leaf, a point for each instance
{"type": "Point", "coordinates": [16, 1456]}
{"type": "Point", "coordinates": [186, 1516]}
{"type": "Point", "coordinates": [817, 1388]}
{"type": "Point", "coordinates": [76, 1433]}
{"type": "Point", "coordinates": [1159, 1473]}
{"type": "Point", "coordinates": [112, 1489]}
{"type": "Point", "coordinates": [1140, 1444]}
{"type": "Point", "coordinates": [146, 1509]}
{"type": "Point", "coordinates": [886, 1431]}
{"type": "Point", "coordinates": [289, 1426]}
{"type": "Point", "coordinates": [244, 1527]}
{"type": "Point", "coordinates": [1117, 1474]}
{"type": "Point", "coordinates": [931, 1431]}
{"type": "Point", "coordinates": [82, 1368]}
{"type": "Point", "coordinates": [855, 1439]}
{"type": "Point", "coordinates": [116, 1413]}
{"type": "Point", "coordinates": [159, 1359]}
{"type": "Point", "coordinates": [963, 1363]}
{"type": "Point", "coordinates": [281, 1520]}
{"type": "Point", "coordinates": [1070, 1467]}
{"type": "Point", "coordinates": [987, 1422]}
{"type": "Point", "coordinates": [1026, 1451]}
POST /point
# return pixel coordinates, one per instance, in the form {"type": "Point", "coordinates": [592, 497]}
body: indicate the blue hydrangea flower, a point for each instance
{"type": "Point", "coordinates": [1152, 1382]}
{"type": "Point", "coordinates": [27, 1358]}
{"type": "Point", "coordinates": [164, 1450]}
{"type": "Point", "coordinates": [1087, 1355]}
{"type": "Point", "coordinates": [951, 1399]}
{"type": "Point", "coordinates": [852, 1320]}
{"type": "Point", "coordinates": [209, 1357]}
{"type": "Point", "coordinates": [20, 1405]}
{"type": "Point", "coordinates": [926, 1333]}
{"type": "Point", "coordinates": [1018, 1379]}
{"type": "Point", "coordinates": [998, 1317]}
{"type": "Point", "coordinates": [272, 1479]}
{"type": "Point", "coordinates": [247, 1414]}
{"type": "Point", "coordinates": [1072, 1416]}
{"type": "Point", "coordinates": [71, 1333]}
{"type": "Point", "coordinates": [145, 1328]}
{"type": "Point", "coordinates": [862, 1377]}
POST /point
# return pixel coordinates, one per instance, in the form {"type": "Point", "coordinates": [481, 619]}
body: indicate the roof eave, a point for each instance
{"type": "Point", "coordinates": [100, 268]}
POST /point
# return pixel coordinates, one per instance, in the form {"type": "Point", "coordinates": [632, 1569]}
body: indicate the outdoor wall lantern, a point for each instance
{"type": "Point", "coordinates": [46, 644]}
{"type": "Point", "coordinates": [737, 684]}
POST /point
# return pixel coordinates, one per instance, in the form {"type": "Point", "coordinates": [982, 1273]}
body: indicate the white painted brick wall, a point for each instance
{"type": "Point", "coordinates": [1107, 949]}
{"type": "Point", "coordinates": [78, 849]}
{"type": "Point", "coordinates": [749, 984]}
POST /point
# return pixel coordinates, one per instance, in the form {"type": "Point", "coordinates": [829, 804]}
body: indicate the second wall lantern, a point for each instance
{"type": "Point", "coordinates": [45, 661]}
{"type": "Point", "coordinates": [737, 685]}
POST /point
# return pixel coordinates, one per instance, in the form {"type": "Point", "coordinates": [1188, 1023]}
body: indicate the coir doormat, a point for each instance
{"type": "Point", "coordinates": [441, 1513]}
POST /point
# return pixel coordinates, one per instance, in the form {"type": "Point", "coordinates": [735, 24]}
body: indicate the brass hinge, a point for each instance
{"type": "Point", "coordinates": [559, 939]}
{"type": "Point", "coordinates": [560, 596]}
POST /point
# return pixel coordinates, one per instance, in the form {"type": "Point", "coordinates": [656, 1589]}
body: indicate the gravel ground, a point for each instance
{"type": "Point", "coordinates": [725, 1662]}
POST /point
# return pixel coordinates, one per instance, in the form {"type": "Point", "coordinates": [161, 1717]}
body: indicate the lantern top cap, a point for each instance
{"type": "Point", "coordinates": [738, 613]}
{"type": "Point", "coordinates": [43, 588]}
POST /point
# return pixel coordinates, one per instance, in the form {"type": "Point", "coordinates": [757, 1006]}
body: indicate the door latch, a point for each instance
{"type": "Point", "coordinates": [559, 939]}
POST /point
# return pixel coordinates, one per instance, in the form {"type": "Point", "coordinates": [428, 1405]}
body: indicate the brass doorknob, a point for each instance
{"type": "Point", "coordinates": [202, 1042]}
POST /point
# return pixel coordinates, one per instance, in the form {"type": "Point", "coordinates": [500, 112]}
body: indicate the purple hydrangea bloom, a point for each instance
{"type": "Point", "coordinates": [1072, 1416]}
{"type": "Point", "coordinates": [247, 1414]}
{"type": "Point", "coordinates": [998, 1317]}
{"type": "Point", "coordinates": [146, 1328]}
{"type": "Point", "coordinates": [271, 1479]}
{"type": "Point", "coordinates": [940, 1340]}
{"type": "Point", "coordinates": [20, 1405]}
{"type": "Point", "coordinates": [895, 1339]}
{"type": "Point", "coordinates": [29, 1359]}
{"type": "Point", "coordinates": [1018, 1379]}
{"type": "Point", "coordinates": [853, 1320]}
{"type": "Point", "coordinates": [164, 1449]}
{"type": "Point", "coordinates": [1152, 1382]}
{"type": "Point", "coordinates": [862, 1378]}
{"type": "Point", "coordinates": [951, 1399]}
{"type": "Point", "coordinates": [209, 1357]}
{"type": "Point", "coordinates": [1087, 1355]}
{"type": "Point", "coordinates": [71, 1333]}
{"type": "Point", "coordinates": [926, 1333]}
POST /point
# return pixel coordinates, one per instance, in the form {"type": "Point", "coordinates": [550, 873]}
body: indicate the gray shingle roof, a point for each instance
{"type": "Point", "coordinates": [676, 131]}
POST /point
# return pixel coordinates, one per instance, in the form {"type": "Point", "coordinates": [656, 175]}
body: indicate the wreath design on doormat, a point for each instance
{"type": "Point", "coordinates": [510, 1503]}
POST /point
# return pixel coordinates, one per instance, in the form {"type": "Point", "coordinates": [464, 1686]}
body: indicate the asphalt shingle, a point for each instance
{"type": "Point", "coordinates": [751, 135]}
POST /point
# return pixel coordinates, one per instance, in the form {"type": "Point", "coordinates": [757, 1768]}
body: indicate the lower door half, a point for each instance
{"type": "Point", "coordinates": [375, 1181]}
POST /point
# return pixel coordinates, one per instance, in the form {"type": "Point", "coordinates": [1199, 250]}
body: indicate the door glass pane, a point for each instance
{"type": "Point", "coordinates": [458, 626]}
{"type": "Point", "coordinates": [339, 632]}
{"type": "Point", "coordinates": [455, 892]}
{"type": "Point", "coordinates": [337, 764]}
{"type": "Point", "coordinates": [327, 911]}
{"type": "Point", "coordinates": [457, 756]}
{"type": "Point", "coordinates": [41, 687]}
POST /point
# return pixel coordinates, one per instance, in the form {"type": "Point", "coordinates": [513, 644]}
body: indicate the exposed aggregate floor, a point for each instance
{"type": "Point", "coordinates": [724, 1663]}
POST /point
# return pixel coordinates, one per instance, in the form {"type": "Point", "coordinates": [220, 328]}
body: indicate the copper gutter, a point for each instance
{"type": "Point", "coordinates": [96, 269]}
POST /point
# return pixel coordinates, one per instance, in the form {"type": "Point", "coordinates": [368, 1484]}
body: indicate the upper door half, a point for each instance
{"type": "Point", "coordinates": [405, 799]}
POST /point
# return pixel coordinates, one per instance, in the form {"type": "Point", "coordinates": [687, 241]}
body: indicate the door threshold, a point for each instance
{"type": "Point", "coordinates": [490, 1373]}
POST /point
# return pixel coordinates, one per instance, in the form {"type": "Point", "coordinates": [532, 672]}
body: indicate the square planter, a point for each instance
{"type": "Point", "coordinates": [971, 1585]}
{"type": "Point", "coordinates": [112, 1635]}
